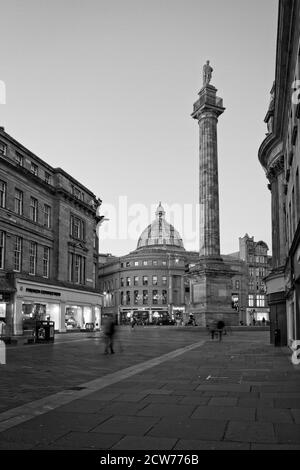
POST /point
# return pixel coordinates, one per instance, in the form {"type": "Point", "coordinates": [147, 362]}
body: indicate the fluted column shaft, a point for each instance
{"type": "Point", "coordinates": [208, 185]}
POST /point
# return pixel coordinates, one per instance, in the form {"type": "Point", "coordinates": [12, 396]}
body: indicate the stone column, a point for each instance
{"type": "Point", "coordinates": [206, 111]}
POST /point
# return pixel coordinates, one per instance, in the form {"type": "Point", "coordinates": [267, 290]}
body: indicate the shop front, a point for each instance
{"type": "Point", "coordinates": [70, 310]}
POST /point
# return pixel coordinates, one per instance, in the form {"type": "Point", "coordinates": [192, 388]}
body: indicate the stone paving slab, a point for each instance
{"type": "Point", "coordinates": [183, 402]}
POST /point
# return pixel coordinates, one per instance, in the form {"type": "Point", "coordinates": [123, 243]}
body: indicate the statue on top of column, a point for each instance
{"type": "Point", "coordinates": [207, 70]}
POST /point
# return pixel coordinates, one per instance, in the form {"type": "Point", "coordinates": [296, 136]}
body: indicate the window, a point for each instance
{"type": "Point", "coordinates": [2, 249]}
{"type": "Point", "coordinates": [257, 272]}
{"type": "Point", "coordinates": [2, 193]}
{"type": "Point", "coordinates": [122, 265]}
{"type": "Point", "coordinates": [136, 297]}
{"type": "Point", "coordinates": [154, 297]}
{"type": "Point", "coordinates": [251, 272]}
{"type": "Point", "coordinates": [32, 258]}
{"type": "Point", "coordinates": [33, 209]}
{"type": "Point", "coordinates": [46, 256]}
{"type": "Point", "coordinates": [18, 202]}
{"type": "Point", "coordinates": [164, 263]}
{"type": "Point", "coordinates": [19, 159]}
{"type": "Point", "coordinates": [47, 178]}
{"type": "Point", "coordinates": [136, 263]}
{"type": "Point", "coordinates": [260, 300]}
{"type": "Point", "coordinates": [122, 282]}
{"type": "Point", "coordinates": [164, 297]}
{"type": "Point", "coordinates": [237, 284]}
{"type": "Point", "coordinates": [121, 297]}
{"type": "Point", "coordinates": [34, 169]}
{"type": "Point", "coordinates": [145, 263]}
{"type": "Point", "coordinates": [128, 281]}
{"type": "Point", "coordinates": [47, 216]}
{"type": "Point", "coordinates": [251, 285]}
{"type": "Point", "coordinates": [164, 280]}
{"type": "Point", "coordinates": [250, 259]}
{"type": "Point", "coordinates": [251, 300]}
{"type": "Point", "coordinates": [136, 280]}
{"type": "Point", "coordinates": [128, 264]}
{"type": "Point", "coordinates": [145, 297]}
{"type": "Point", "coordinates": [128, 297]}
{"type": "Point", "coordinates": [145, 280]}
{"type": "Point", "coordinates": [77, 228]}
{"type": "Point", "coordinates": [2, 149]}
{"type": "Point", "coordinates": [155, 263]}
{"type": "Point", "coordinates": [76, 268]}
{"type": "Point", "coordinates": [154, 280]}
{"type": "Point", "coordinates": [262, 272]}
{"type": "Point", "coordinates": [18, 254]}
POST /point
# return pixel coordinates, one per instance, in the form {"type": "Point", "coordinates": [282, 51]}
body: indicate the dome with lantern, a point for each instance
{"type": "Point", "coordinates": [160, 233]}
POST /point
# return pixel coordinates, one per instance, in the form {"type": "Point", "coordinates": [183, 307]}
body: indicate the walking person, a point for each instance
{"type": "Point", "coordinates": [108, 331]}
{"type": "Point", "coordinates": [212, 329]}
{"type": "Point", "coordinates": [220, 328]}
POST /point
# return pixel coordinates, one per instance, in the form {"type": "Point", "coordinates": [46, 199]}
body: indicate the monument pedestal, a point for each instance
{"type": "Point", "coordinates": [211, 292]}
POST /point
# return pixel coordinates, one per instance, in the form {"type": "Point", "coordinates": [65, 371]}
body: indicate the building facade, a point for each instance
{"type": "Point", "coordinates": [148, 283]}
{"type": "Point", "coordinates": [279, 154]}
{"type": "Point", "coordinates": [153, 284]}
{"type": "Point", "coordinates": [48, 243]}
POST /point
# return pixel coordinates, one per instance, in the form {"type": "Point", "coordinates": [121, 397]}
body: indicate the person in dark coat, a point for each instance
{"type": "Point", "coordinates": [220, 328]}
{"type": "Point", "coordinates": [108, 331]}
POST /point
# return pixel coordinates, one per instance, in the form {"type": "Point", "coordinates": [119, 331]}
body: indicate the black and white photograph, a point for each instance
{"type": "Point", "coordinates": [149, 231]}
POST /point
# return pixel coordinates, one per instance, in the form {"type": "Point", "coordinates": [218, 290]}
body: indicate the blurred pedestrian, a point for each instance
{"type": "Point", "coordinates": [263, 321]}
{"type": "Point", "coordinates": [109, 332]}
{"type": "Point", "coordinates": [212, 328]}
{"type": "Point", "coordinates": [220, 328]}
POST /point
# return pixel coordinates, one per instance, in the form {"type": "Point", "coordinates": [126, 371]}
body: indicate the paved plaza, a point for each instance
{"type": "Point", "coordinates": [166, 388]}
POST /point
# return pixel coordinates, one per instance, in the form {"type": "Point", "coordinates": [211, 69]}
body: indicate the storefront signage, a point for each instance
{"type": "Point", "coordinates": [44, 292]}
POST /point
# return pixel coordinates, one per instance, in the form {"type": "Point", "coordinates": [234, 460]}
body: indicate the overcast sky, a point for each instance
{"type": "Point", "coordinates": [105, 89]}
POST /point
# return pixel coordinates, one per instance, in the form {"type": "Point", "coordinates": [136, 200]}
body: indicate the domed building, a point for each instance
{"type": "Point", "coordinates": [148, 283]}
{"type": "Point", "coordinates": [152, 283]}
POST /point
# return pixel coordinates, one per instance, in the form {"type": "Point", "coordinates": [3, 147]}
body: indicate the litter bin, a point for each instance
{"type": "Point", "coordinates": [277, 338]}
{"type": "Point", "coordinates": [44, 331]}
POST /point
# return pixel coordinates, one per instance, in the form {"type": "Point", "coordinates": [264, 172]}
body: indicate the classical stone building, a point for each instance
{"type": "Point", "coordinates": [153, 283]}
{"type": "Point", "coordinates": [148, 283]}
{"type": "Point", "coordinates": [48, 242]}
{"type": "Point", "coordinates": [255, 266]}
{"type": "Point", "coordinates": [279, 154]}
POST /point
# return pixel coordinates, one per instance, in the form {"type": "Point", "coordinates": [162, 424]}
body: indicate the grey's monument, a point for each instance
{"type": "Point", "coordinates": [210, 279]}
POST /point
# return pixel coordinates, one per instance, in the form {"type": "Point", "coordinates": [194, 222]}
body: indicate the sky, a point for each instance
{"type": "Point", "coordinates": [105, 89]}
